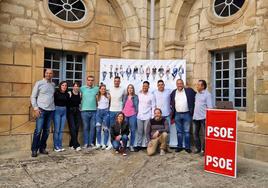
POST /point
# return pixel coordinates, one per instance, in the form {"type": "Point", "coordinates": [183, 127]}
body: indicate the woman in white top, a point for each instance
{"type": "Point", "coordinates": [102, 116]}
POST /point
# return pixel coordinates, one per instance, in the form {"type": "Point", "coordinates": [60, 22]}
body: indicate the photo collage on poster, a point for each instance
{"type": "Point", "coordinates": [137, 71]}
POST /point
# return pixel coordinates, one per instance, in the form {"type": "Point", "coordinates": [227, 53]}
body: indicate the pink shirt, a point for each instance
{"type": "Point", "coordinates": [129, 109]}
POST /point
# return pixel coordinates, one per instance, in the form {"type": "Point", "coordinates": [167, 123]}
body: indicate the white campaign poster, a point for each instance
{"type": "Point", "coordinates": [135, 71]}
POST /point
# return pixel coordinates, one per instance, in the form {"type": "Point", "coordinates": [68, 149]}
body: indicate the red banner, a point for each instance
{"type": "Point", "coordinates": [221, 142]}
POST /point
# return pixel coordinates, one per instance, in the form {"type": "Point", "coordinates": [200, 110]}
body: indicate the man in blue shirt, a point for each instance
{"type": "Point", "coordinates": [202, 102]}
{"type": "Point", "coordinates": [162, 100]}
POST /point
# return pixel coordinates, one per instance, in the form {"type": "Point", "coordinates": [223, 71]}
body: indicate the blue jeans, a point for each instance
{"type": "Point", "coordinates": [112, 117]}
{"type": "Point", "coordinates": [116, 144]}
{"type": "Point", "coordinates": [89, 118]}
{"type": "Point", "coordinates": [102, 118]}
{"type": "Point", "coordinates": [42, 126]}
{"type": "Point", "coordinates": [132, 122]}
{"type": "Point", "coordinates": [59, 119]}
{"type": "Point", "coordinates": [183, 122]}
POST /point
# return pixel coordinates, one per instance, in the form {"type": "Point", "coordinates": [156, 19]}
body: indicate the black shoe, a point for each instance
{"type": "Point", "coordinates": [168, 150]}
{"type": "Point", "coordinates": [43, 151]}
{"type": "Point", "coordinates": [197, 151]}
{"type": "Point", "coordinates": [188, 150]}
{"type": "Point", "coordinates": [178, 150]}
{"type": "Point", "coordinates": [137, 149]}
{"type": "Point", "coordinates": [34, 153]}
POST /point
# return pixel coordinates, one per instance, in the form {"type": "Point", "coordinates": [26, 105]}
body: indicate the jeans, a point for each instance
{"type": "Point", "coordinates": [116, 144]}
{"type": "Point", "coordinates": [142, 126]}
{"type": "Point", "coordinates": [42, 127]}
{"type": "Point", "coordinates": [112, 117]}
{"type": "Point", "coordinates": [59, 119]}
{"type": "Point", "coordinates": [132, 122]}
{"type": "Point", "coordinates": [89, 118]}
{"type": "Point", "coordinates": [74, 122]}
{"type": "Point", "coordinates": [183, 122]}
{"type": "Point", "coordinates": [102, 118]}
{"type": "Point", "coordinates": [197, 125]}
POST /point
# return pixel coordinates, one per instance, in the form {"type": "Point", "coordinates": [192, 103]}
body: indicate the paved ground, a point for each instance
{"type": "Point", "coordinates": [100, 169]}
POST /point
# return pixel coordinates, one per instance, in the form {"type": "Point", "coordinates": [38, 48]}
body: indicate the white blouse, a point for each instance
{"type": "Point", "coordinates": [103, 103]}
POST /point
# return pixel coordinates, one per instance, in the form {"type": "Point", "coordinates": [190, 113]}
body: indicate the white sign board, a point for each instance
{"type": "Point", "coordinates": [136, 71]}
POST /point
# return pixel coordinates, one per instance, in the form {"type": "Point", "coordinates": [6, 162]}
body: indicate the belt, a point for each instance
{"type": "Point", "coordinates": [183, 112]}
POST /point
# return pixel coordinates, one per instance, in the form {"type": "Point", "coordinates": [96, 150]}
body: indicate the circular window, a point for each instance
{"type": "Point", "coordinates": [68, 10]}
{"type": "Point", "coordinates": [70, 13]}
{"type": "Point", "coordinates": [225, 8]}
{"type": "Point", "coordinates": [222, 12]}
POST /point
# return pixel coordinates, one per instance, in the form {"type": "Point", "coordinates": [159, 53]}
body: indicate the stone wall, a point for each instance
{"type": "Point", "coordinates": [195, 30]}
{"type": "Point", "coordinates": [120, 28]}
{"type": "Point", "coordinates": [25, 31]}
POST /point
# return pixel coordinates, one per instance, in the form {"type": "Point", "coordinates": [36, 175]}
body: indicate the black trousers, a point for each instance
{"type": "Point", "coordinates": [74, 122]}
{"type": "Point", "coordinates": [197, 126]}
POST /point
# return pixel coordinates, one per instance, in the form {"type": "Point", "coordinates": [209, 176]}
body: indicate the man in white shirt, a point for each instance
{"type": "Point", "coordinates": [182, 102]}
{"type": "Point", "coordinates": [145, 112]}
{"type": "Point", "coordinates": [116, 104]}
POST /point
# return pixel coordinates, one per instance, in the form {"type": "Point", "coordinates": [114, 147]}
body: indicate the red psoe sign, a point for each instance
{"type": "Point", "coordinates": [221, 142]}
{"type": "Point", "coordinates": [220, 158]}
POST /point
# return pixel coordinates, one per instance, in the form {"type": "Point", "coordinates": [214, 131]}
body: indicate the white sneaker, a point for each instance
{"type": "Point", "coordinates": [78, 148]}
{"type": "Point", "coordinates": [162, 152]}
{"type": "Point", "coordinates": [98, 146]}
{"type": "Point", "coordinates": [109, 147]}
{"type": "Point", "coordinates": [62, 149]}
{"type": "Point", "coordinates": [103, 147]}
{"type": "Point", "coordinates": [71, 148]}
{"type": "Point", "coordinates": [85, 146]}
{"type": "Point", "coordinates": [57, 150]}
{"type": "Point", "coordinates": [131, 148]}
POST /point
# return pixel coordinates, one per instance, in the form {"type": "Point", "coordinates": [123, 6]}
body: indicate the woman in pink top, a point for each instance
{"type": "Point", "coordinates": [130, 110]}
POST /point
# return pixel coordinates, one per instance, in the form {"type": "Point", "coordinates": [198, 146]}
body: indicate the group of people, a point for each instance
{"type": "Point", "coordinates": [116, 113]}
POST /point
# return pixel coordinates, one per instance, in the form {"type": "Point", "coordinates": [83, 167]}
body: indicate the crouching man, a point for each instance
{"type": "Point", "coordinates": [157, 133]}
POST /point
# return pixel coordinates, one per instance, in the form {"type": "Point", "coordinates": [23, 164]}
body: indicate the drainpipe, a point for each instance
{"type": "Point", "coordinates": [152, 29]}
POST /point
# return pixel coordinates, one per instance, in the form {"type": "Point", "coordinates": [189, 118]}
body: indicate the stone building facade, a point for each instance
{"type": "Point", "coordinates": [226, 47]}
